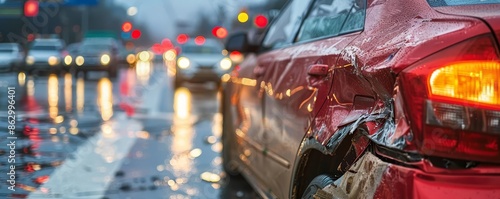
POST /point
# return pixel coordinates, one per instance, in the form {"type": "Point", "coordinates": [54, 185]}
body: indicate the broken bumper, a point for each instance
{"type": "Point", "coordinates": [370, 177]}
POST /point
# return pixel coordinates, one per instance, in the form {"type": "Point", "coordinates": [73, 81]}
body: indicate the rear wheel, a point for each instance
{"type": "Point", "coordinates": [315, 189]}
{"type": "Point", "coordinates": [228, 164]}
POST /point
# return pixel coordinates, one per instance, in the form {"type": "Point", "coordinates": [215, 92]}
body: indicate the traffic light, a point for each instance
{"type": "Point", "coordinates": [31, 8]}
{"type": "Point", "coordinates": [182, 38]}
{"type": "Point", "coordinates": [260, 21]}
{"type": "Point", "coordinates": [127, 26]}
{"type": "Point", "coordinates": [136, 34]}
{"type": "Point", "coordinates": [243, 17]}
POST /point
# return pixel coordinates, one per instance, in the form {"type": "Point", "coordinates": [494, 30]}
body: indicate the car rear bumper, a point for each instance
{"type": "Point", "coordinates": [42, 67]}
{"type": "Point", "coordinates": [93, 67]}
{"type": "Point", "coordinates": [371, 177]}
{"type": "Point", "coordinates": [199, 76]}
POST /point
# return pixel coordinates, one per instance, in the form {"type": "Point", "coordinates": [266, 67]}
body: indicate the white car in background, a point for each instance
{"type": "Point", "coordinates": [201, 62]}
{"type": "Point", "coordinates": [45, 55]}
{"type": "Point", "coordinates": [11, 56]}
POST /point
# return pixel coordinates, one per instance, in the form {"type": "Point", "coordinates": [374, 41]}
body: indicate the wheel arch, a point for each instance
{"type": "Point", "coordinates": [342, 150]}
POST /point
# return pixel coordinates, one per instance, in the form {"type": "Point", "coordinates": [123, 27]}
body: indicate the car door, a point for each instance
{"type": "Point", "coordinates": [255, 89]}
{"type": "Point", "coordinates": [299, 81]}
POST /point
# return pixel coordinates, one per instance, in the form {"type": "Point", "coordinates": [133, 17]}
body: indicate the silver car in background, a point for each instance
{"type": "Point", "coordinates": [45, 55]}
{"type": "Point", "coordinates": [201, 62]}
{"type": "Point", "coordinates": [11, 56]}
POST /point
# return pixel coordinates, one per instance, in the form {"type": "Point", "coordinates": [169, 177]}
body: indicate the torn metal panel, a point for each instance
{"type": "Point", "coordinates": [362, 179]}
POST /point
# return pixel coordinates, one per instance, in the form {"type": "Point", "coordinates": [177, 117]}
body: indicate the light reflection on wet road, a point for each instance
{"type": "Point", "coordinates": [129, 137]}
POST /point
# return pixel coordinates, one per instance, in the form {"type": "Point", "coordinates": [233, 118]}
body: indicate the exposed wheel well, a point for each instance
{"type": "Point", "coordinates": [316, 161]}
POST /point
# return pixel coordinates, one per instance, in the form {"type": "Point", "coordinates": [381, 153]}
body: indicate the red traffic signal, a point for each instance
{"type": "Point", "coordinates": [182, 38]}
{"type": "Point", "coordinates": [260, 21]}
{"type": "Point", "coordinates": [136, 34]}
{"type": "Point", "coordinates": [127, 26]}
{"type": "Point", "coordinates": [31, 8]}
{"type": "Point", "coordinates": [219, 32]}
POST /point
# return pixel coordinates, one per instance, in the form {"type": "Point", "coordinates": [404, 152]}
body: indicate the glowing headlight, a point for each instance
{"type": "Point", "coordinates": [169, 55]}
{"type": "Point", "coordinates": [30, 60]}
{"type": "Point", "coordinates": [68, 59]}
{"type": "Point", "coordinates": [130, 58]}
{"type": "Point", "coordinates": [144, 56]}
{"type": "Point", "coordinates": [53, 60]}
{"type": "Point", "coordinates": [225, 63]}
{"type": "Point", "coordinates": [79, 60]}
{"type": "Point", "coordinates": [105, 59]}
{"type": "Point", "coordinates": [183, 62]}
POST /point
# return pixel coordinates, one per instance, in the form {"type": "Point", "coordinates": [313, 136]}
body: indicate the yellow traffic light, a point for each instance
{"type": "Point", "coordinates": [242, 17]}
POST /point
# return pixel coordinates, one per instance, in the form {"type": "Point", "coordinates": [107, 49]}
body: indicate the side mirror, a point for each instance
{"type": "Point", "coordinates": [239, 42]}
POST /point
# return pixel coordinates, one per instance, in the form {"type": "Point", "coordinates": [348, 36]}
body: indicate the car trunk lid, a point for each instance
{"type": "Point", "coordinates": [489, 13]}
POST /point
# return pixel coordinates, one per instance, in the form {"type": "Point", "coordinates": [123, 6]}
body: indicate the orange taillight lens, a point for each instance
{"type": "Point", "coordinates": [474, 81]}
{"type": "Point", "coordinates": [453, 101]}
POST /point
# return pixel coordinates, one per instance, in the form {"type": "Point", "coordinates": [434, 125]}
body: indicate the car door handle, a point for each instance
{"type": "Point", "coordinates": [320, 70]}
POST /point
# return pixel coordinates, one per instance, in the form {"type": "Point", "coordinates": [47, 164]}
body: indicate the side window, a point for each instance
{"type": "Point", "coordinates": [283, 30]}
{"type": "Point", "coordinates": [356, 19]}
{"type": "Point", "coordinates": [327, 17]}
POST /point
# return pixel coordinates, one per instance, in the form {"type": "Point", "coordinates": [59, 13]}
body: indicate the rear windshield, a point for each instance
{"type": "Point", "coordinates": [6, 50]}
{"type": "Point", "coordinates": [202, 49]}
{"type": "Point", "coordinates": [94, 48]}
{"type": "Point", "coordinates": [44, 48]}
{"type": "Point", "coordinates": [437, 3]}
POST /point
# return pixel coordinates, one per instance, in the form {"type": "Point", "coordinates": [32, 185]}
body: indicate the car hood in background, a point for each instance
{"type": "Point", "coordinates": [6, 57]}
{"type": "Point", "coordinates": [43, 54]}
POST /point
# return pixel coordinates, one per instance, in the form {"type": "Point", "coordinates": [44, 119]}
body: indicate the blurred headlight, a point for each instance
{"type": "Point", "coordinates": [30, 60]}
{"type": "Point", "coordinates": [53, 60]}
{"type": "Point", "coordinates": [144, 56]}
{"type": "Point", "coordinates": [105, 59]}
{"type": "Point", "coordinates": [225, 63]}
{"type": "Point", "coordinates": [183, 62]}
{"type": "Point", "coordinates": [79, 60]}
{"type": "Point", "coordinates": [68, 59]}
{"type": "Point", "coordinates": [169, 55]}
{"type": "Point", "coordinates": [130, 58]}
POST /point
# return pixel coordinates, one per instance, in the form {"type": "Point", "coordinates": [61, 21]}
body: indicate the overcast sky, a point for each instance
{"type": "Point", "coordinates": [161, 16]}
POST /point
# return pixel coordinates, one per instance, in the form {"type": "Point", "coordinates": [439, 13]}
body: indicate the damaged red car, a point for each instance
{"type": "Point", "coordinates": [368, 99]}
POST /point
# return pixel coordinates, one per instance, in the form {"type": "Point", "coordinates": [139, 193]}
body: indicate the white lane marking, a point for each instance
{"type": "Point", "coordinates": [95, 163]}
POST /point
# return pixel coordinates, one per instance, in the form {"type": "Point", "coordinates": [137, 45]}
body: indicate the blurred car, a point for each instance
{"type": "Point", "coordinates": [368, 99]}
{"type": "Point", "coordinates": [201, 62]}
{"type": "Point", "coordinates": [45, 55]}
{"type": "Point", "coordinates": [96, 55]}
{"type": "Point", "coordinates": [72, 52]}
{"type": "Point", "coordinates": [11, 56]}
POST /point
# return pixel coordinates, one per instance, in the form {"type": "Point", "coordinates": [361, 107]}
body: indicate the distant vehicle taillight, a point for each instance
{"type": "Point", "coordinates": [453, 100]}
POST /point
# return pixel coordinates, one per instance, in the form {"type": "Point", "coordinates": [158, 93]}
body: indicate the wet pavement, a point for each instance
{"type": "Point", "coordinates": [127, 137]}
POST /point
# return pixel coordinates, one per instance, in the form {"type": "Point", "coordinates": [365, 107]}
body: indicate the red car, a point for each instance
{"type": "Point", "coordinates": [368, 99]}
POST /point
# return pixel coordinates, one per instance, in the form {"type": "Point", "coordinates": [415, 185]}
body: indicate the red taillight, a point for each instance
{"type": "Point", "coordinates": [453, 101]}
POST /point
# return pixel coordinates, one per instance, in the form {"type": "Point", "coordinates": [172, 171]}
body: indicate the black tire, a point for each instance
{"type": "Point", "coordinates": [228, 164]}
{"type": "Point", "coordinates": [318, 183]}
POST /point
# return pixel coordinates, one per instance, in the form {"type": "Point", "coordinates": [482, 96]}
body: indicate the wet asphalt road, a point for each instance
{"type": "Point", "coordinates": [133, 136]}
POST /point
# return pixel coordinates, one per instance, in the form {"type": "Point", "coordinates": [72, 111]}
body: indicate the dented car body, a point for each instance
{"type": "Point", "coordinates": [368, 99]}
